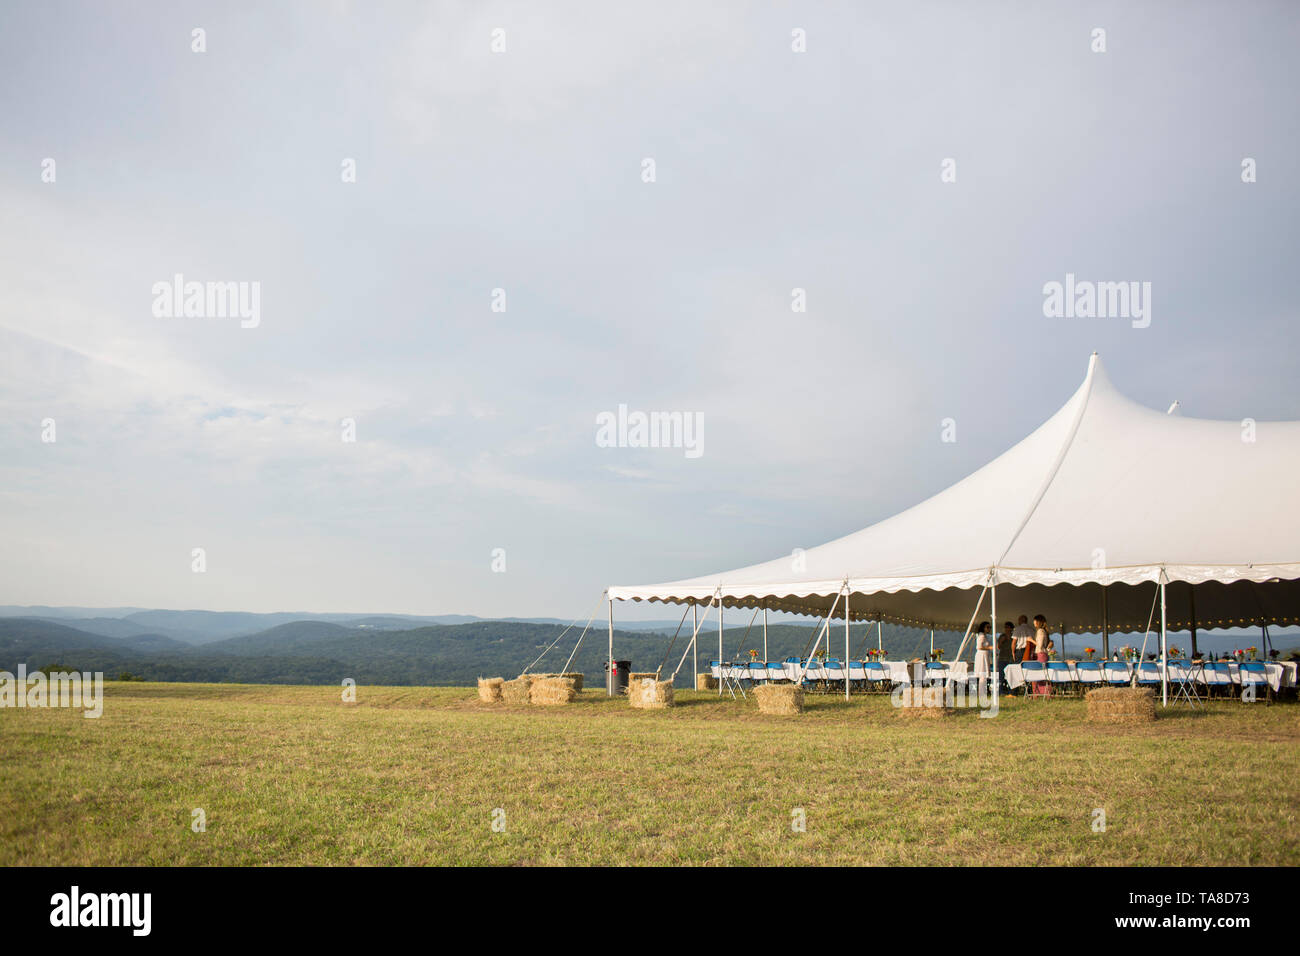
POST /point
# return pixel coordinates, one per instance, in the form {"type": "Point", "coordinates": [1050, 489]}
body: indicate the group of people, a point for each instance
{"type": "Point", "coordinates": [1017, 642]}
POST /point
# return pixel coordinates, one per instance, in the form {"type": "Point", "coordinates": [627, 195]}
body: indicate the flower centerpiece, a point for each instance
{"type": "Point", "coordinates": [937, 654]}
{"type": "Point", "coordinates": [753, 654]}
{"type": "Point", "coordinates": [821, 654]}
{"type": "Point", "coordinates": [1239, 654]}
{"type": "Point", "coordinates": [1128, 651]}
{"type": "Point", "coordinates": [1252, 651]}
{"type": "Point", "coordinates": [1090, 651]}
{"type": "Point", "coordinates": [1175, 651]}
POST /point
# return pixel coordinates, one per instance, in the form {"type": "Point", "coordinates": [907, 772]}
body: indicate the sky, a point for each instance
{"type": "Point", "coordinates": [919, 170]}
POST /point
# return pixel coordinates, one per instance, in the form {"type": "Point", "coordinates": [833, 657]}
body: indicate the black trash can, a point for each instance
{"type": "Point", "coordinates": [616, 679]}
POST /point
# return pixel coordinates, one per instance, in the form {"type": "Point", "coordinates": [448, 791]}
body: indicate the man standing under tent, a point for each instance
{"type": "Point", "coordinates": [1021, 635]}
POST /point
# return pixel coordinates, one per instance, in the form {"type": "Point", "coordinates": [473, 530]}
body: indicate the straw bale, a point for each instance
{"type": "Point", "coordinates": [552, 690]}
{"type": "Point", "coordinates": [489, 689]}
{"type": "Point", "coordinates": [779, 698]}
{"type": "Point", "coordinates": [650, 694]}
{"type": "Point", "coordinates": [706, 681]}
{"type": "Point", "coordinates": [1121, 705]}
{"type": "Point", "coordinates": [517, 691]}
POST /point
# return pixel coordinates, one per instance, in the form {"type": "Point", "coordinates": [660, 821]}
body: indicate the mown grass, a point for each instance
{"type": "Point", "coordinates": [292, 775]}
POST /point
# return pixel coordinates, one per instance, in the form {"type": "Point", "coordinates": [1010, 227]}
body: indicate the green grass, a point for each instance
{"type": "Point", "coordinates": [291, 775]}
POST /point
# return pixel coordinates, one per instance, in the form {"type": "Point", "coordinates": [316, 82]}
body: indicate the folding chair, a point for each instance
{"type": "Point", "coordinates": [1089, 672]}
{"type": "Point", "coordinates": [1217, 676]}
{"type": "Point", "coordinates": [729, 679]}
{"type": "Point", "coordinates": [1117, 674]}
{"type": "Point", "coordinates": [832, 672]}
{"type": "Point", "coordinates": [1181, 682]}
{"type": "Point", "coordinates": [1148, 674]}
{"type": "Point", "coordinates": [1254, 674]}
{"type": "Point", "coordinates": [877, 675]}
{"type": "Point", "coordinates": [792, 668]}
{"type": "Point", "coordinates": [1058, 675]}
{"type": "Point", "coordinates": [858, 674]}
{"type": "Point", "coordinates": [1033, 672]}
{"type": "Point", "coordinates": [936, 672]}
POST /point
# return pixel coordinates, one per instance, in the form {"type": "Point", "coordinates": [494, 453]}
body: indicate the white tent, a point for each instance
{"type": "Point", "coordinates": [1082, 521]}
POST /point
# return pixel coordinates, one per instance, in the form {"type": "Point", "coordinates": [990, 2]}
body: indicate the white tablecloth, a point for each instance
{"type": "Point", "coordinates": [1279, 675]}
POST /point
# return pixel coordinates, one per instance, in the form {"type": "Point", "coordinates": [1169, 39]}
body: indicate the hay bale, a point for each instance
{"type": "Point", "coordinates": [517, 691]}
{"type": "Point", "coordinates": [650, 694]}
{"type": "Point", "coordinates": [927, 703]}
{"type": "Point", "coordinates": [706, 681]}
{"type": "Point", "coordinates": [1121, 705]}
{"type": "Point", "coordinates": [489, 689]}
{"type": "Point", "coordinates": [779, 698]}
{"type": "Point", "coordinates": [576, 677]}
{"type": "Point", "coordinates": [552, 690]}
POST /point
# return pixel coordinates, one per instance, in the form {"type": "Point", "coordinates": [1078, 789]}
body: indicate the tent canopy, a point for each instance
{"type": "Point", "coordinates": [1079, 522]}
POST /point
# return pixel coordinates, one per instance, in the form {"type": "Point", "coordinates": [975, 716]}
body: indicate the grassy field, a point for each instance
{"type": "Point", "coordinates": [291, 775]}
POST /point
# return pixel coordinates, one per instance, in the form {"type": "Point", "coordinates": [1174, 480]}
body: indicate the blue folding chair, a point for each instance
{"type": "Point", "coordinates": [775, 672]}
{"type": "Point", "coordinates": [1254, 675]}
{"type": "Point", "coordinates": [1033, 672]}
{"type": "Point", "coordinates": [1089, 672]}
{"type": "Point", "coordinates": [1117, 674]}
{"type": "Point", "coordinates": [1218, 676]}
{"type": "Point", "coordinates": [1058, 675]}
{"type": "Point", "coordinates": [877, 675]}
{"type": "Point", "coordinates": [936, 672]}
{"type": "Point", "coordinates": [1148, 674]}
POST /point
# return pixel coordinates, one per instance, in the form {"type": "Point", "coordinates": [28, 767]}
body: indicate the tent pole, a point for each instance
{"type": "Point", "coordinates": [997, 632]}
{"type": "Point", "coordinates": [1105, 624]}
{"type": "Point", "coordinates": [846, 643]}
{"type": "Point", "coordinates": [1164, 648]}
{"type": "Point", "coordinates": [720, 663]}
{"type": "Point", "coordinates": [609, 672]}
{"type": "Point", "coordinates": [932, 642]}
{"type": "Point", "coordinates": [879, 637]}
{"type": "Point", "coordinates": [1191, 589]}
{"type": "Point", "coordinates": [695, 646]}
{"type": "Point", "coordinates": [765, 657]}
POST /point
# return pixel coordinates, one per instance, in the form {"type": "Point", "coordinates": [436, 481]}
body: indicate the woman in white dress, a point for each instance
{"type": "Point", "coordinates": [983, 654]}
{"type": "Point", "coordinates": [984, 649]}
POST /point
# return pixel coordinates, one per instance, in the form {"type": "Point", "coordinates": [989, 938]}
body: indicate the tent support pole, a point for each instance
{"type": "Point", "coordinates": [1105, 624]}
{"type": "Point", "coordinates": [609, 666]}
{"type": "Point", "coordinates": [720, 661]}
{"type": "Point", "coordinates": [846, 644]}
{"type": "Point", "coordinates": [1191, 590]}
{"type": "Point", "coordinates": [993, 602]}
{"type": "Point", "coordinates": [765, 657]}
{"type": "Point", "coordinates": [1164, 648]}
{"type": "Point", "coordinates": [879, 636]}
{"type": "Point", "coordinates": [695, 646]}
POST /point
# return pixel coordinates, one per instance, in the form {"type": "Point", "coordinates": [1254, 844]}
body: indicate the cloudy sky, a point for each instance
{"type": "Point", "coordinates": [524, 170]}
